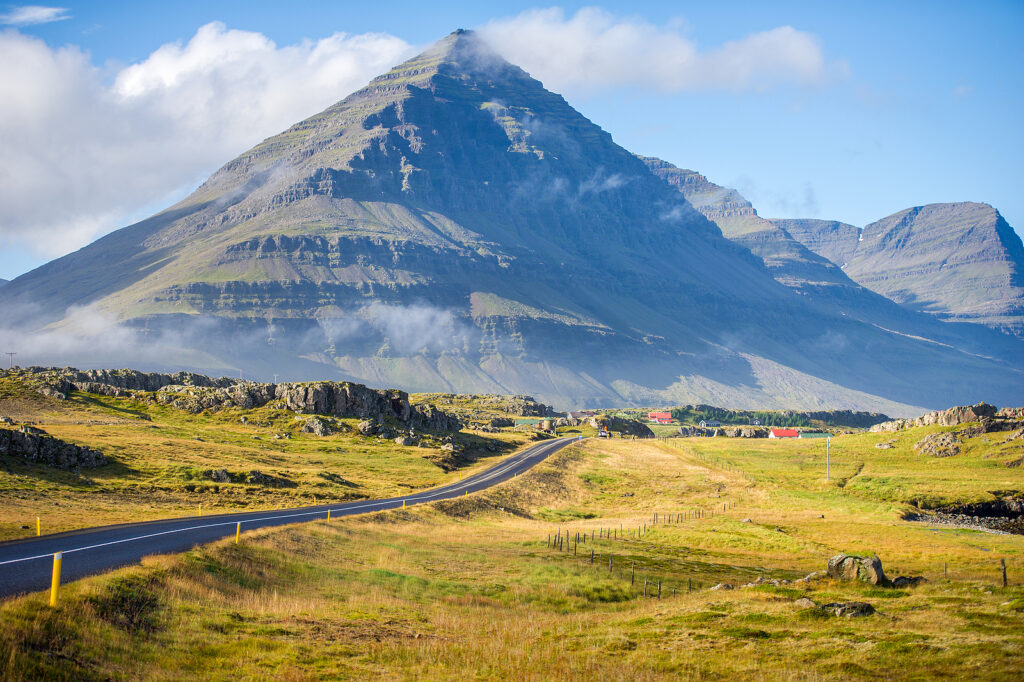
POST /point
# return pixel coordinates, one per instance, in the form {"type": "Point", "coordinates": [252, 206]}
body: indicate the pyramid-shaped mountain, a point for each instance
{"type": "Point", "coordinates": [455, 226]}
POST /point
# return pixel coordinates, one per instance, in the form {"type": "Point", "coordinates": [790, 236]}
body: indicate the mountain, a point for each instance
{"type": "Point", "coordinates": [959, 261]}
{"type": "Point", "coordinates": [3, 281]}
{"type": "Point", "coordinates": [790, 262]}
{"type": "Point", "coordinates": [454, 226]}
{"type": "Point", "coordinates": [818, 274]}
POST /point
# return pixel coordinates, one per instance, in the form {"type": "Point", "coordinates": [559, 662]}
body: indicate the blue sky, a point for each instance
{"type": "Point", "coordinates": [111, 110]}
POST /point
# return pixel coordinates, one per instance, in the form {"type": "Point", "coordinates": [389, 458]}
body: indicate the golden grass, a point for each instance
{"type": "Point", "coordinates": [159, 455]}
{"type": "Point", "coordinates": [469, 588]}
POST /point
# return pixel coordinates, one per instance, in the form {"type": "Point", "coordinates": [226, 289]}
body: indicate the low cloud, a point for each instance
{"type": "Point", "coordinates": [407, 329]}
{"type": "Point", "coordinates": [28, 15]}
{"type": "Point", "coordinates": [593, 49]}
{"type": "Point", "coordinates": [85, 148]}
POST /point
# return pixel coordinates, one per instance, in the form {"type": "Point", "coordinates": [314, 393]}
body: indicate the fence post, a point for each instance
{"type": "Point", "coordinates": [1002, 562]}
{"type": "Point", "coordinates": [645, 587]}
{"type": "Point", "coordinates": [659, 589]}
{"type": "Point", "coordinates": [632, 574]}
{"type": "Point", "coordinates": [609, 564]}
{"type": "Point", "coordinates": [58, 559]}
{"type": "Point", "coordinates": [689, 584]}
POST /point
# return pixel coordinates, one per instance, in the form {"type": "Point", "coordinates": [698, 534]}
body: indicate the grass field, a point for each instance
{"type": "Point", "coordinates": [471, 588]}
{"type": "Point", "coordinates": [159, 455]}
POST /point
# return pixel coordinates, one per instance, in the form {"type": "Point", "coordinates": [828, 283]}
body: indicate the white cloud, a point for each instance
{"type": "Point", "coordinates": [33, 14]}
{"type": "Point", "coordinates": [593, 49]}
{"type": "Point", "coordinates": [84, 149]}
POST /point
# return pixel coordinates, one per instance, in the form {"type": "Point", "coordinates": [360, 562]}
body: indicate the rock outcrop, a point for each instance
{"type": "Point", "coordinates": [195, 393]}
{"type": "Point", "coordinates": [36, 446]}
{"type": "Point", "coordinates": [332, 398]}
{"type": "Point", "coordinates": [938, 445]}
{"type": "Point", "coordinates": [627, 427]}
{"type": "Point", "coordinates": [954, 416]}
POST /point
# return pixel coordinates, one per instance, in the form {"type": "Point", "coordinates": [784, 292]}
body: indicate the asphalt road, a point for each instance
{"type": "Point", "coordinates": [26, 565]}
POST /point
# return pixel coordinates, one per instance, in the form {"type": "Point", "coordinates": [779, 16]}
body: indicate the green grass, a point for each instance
{"type": "Point", "coordinates": [470, 588]}
{"type": "Point", "coordinates": [159, 456]}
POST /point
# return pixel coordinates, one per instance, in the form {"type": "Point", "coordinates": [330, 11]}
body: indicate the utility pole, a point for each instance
{"type": "Point", "coordinates": [11, 356]}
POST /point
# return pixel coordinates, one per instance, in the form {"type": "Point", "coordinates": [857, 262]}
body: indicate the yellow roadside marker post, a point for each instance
{"type": "Point", "coordinates": [200, 510]}
{"type": "Point", "coordinates": [39, 527]}
{"type": "Point", "coordinates": [328, 514]}
{"type": "Point", "coordinates": [58, 558]}
{"type": "Point", "coordinates": [238, 531]}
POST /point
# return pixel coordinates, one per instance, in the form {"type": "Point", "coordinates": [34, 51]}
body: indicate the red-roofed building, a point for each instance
{"type": "Point", "coordinates": [784, 433]}
{"type": "Point", "coordinates": [659, 417]}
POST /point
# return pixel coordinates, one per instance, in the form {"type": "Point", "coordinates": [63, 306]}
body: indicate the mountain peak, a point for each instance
{"type": "Point", "coordinates": [460, 54]}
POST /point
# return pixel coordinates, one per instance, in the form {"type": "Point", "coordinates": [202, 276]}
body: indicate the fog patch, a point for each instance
{"type": "Point", "coordinates": [403, 329]}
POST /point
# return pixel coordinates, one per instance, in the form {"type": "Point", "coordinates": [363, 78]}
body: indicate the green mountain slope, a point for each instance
{"type": "Point", "coordinates": [454, 226]}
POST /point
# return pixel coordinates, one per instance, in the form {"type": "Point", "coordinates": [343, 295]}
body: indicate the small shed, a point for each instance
{"type": "Point", "coordinates": [709, 423]}
{"type": "Point", "coordinates": [755, 422]}
{"type": "Point", "coordinates": [784, 433]}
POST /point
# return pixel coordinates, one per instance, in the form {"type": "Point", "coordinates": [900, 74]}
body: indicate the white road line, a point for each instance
{"type": "Point", "coordinates": [419, 497]}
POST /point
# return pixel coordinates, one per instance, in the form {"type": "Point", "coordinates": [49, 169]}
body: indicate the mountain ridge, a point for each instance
{"type": "Point", "coordinates": [455, 226]}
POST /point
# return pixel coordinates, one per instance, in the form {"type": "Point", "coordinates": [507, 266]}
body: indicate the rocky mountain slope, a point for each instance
{"type": "Point", "coordinates": [456, 227]}
{"type": "Point", "coordinates": [958, 261]}
{"type": "Point", "coordinates": [810, 257]}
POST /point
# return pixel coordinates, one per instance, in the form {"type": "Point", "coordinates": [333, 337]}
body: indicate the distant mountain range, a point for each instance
{"type": "Point", "coordinates": [957, 261]}
{"type": "Point", "coordinates": [454, 226]}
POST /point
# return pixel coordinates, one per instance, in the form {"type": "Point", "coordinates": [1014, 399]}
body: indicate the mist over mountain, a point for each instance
{"type": "Point", "coordinates": [454, 226]}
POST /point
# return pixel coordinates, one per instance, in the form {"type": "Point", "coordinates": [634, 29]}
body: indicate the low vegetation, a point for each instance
{"type": "Point", "coordinates": [473, 588]}
{"type": "Point", "coordinates": [167, 462]}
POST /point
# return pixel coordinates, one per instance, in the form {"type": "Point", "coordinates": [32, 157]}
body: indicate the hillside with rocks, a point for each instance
{"type": "Point", "coordinates": [195, 393]}
{"type": "Point", "coordinates": [455, 227]}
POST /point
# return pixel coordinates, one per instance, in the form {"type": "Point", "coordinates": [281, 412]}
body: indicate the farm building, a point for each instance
{"type": "Point", "coordinates": [659, 417]}
{"type": "Point", "coordinates": [709, 423]}
{"type": "Point", "coordinates": [784, 433]}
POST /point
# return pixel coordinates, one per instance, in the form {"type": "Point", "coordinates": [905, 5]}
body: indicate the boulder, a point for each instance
{"type": "Point", "coordinates": [318, 426]}
{"type": "Point", "coordinates": [722, 586]}
{"type": "Point", "coordinates": [403, 440]}
{"type": "Point", "coordinates": [850, 609]}
{"type": "Point", "coordinates": [257, 477]}
{"type": "Point", "coordinates": [849, 567]}
{"type": "Point", "coordinates": [367, 427]}
{"type": "Point", "coordinates": [908, 580]}
{"type": "Point", "coordinates": [805, 603]}
{"type": "Point", "coordinates": [218, 475]}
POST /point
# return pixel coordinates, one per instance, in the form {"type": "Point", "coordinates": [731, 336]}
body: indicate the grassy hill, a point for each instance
{"type": "Point", "coordinates": [162, 459]}
{"type": "Point", "coordinates": [472, 587]}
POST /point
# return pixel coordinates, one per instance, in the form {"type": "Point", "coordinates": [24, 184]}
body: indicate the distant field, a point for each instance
{"type": "Point", "coordinates": [471, 589]}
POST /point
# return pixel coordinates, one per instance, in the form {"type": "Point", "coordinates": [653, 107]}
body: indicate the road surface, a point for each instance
{"type": "Point", "coordinates": [25, 565]}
